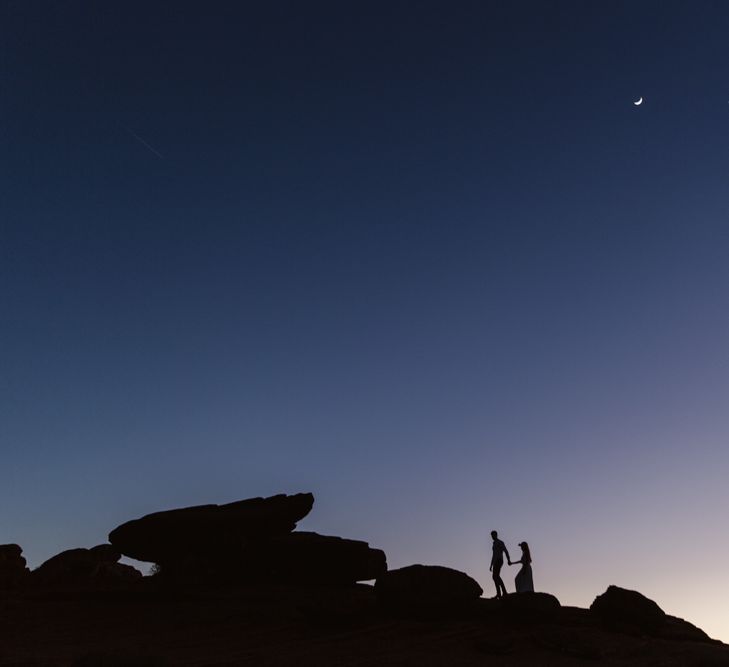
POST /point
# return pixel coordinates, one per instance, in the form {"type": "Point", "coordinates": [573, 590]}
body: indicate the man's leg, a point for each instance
{"type": "Point", "coordinates": [497, 580]}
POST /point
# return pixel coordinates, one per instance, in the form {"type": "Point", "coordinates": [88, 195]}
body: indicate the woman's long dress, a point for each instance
{"type": "Point", "coordinates": [524, 582]}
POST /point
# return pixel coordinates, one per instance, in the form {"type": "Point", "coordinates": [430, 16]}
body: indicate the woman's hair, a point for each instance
{"type": "Point", "coordinates": [525, 548]}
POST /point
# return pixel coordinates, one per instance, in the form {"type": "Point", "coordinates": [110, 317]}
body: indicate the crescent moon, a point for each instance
{"type": "Point", "coordinates": [639, 102]}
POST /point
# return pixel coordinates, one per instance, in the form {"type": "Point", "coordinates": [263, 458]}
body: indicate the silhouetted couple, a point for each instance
{"type": "Point", "coordinates": [523, 581]}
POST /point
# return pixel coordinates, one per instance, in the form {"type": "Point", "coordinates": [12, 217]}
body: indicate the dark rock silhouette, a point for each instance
{"type": "Point", "coordinates": [531, 606]}
{"type": "Point", "coordinates": [677, 629]}
{"type": "Point", "coordinates": [292, 624]}
{"type": "Point", "coordinates": [297, 557]}
{"type": "Point", "coordinates": [302, 556]}
{"type": "Point", "coordinates": [630, 611]}
{"type": "Point", "coordinates": [269, 595]}
{"type": "Point", "coordinates": [246, 541]}
{"type": "Point", "coordinates": [418, 586]}
{"type": "Point", "coordinates": [170, 536]}
{"type": "Point", "coordinates": [13, 570]}
{"type": "Point", "coordinates": [98, 564]}
{"type": "Point", "coordinates": [11, 553]}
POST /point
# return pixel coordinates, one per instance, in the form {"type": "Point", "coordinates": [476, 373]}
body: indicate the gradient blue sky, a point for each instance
{"type": "Point", "coordinates": [426, 260]}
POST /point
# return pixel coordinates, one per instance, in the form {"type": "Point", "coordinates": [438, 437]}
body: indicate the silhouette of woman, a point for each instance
{"type": "Point", "coordinates": [523, 581]}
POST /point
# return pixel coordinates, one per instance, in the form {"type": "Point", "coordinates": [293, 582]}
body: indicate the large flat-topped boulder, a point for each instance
{"type": "Point", "coordinates": [204, 529]}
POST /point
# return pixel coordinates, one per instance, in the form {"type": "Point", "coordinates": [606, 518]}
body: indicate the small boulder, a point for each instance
{"type": "Point", "coordinates": [628, 611]}
{"type": "Point", "coordinates": [10, 553]}
{"type": "Point", "coordinates": [13, 570]}
{"type": "Point", "coordinates": [96, 565]}
{"type": "Point", "coordinates": [531, 607]}
{"type": "Point", "coordinates": [104, 553]}
{"type": "Point", "coordinates": [426, 586]}
{"type": "Point", "coordinates": [116, 573]}
{"type": "Point", "coordinates": [77, 562]}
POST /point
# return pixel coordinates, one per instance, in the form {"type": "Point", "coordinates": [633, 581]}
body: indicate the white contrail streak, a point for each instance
{"type": "Point", "coordinates": [143, 142]}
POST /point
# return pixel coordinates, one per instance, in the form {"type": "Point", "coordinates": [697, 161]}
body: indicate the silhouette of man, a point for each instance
{"type": "Point", "coordinates": [497, 562]}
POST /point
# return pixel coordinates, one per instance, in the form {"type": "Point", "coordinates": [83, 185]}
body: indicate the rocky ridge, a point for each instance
{"type": "Point", "coordinates": [238, 584]}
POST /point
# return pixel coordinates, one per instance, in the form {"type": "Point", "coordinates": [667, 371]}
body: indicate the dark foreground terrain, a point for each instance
{"type": "Point", "coordinates": [237, 584]}
{"type": "Point", "coordinates": [323, 626]}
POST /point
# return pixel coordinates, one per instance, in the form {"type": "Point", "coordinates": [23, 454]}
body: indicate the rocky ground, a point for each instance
{"type": "Point", "coordinates": [305, 626]}
{"type": "Point", "coordinates": [238, 586]}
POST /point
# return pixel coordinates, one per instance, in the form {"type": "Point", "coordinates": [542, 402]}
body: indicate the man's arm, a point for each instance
{"type": "Point", "coordinates": [506, 551]}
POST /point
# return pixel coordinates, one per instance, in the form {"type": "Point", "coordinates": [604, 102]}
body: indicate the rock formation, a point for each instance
{"type": "Point", "coordinates": [246, 541]}
{"type": "Point", "coordinates": [202, 530]}
{"type": "Point", "coordinates": [294, 600]}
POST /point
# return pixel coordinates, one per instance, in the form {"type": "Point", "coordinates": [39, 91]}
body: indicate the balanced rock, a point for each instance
{"type": "Point", "coordinates": [13, 568]}
{"type": "Point", "coordinates": [209, 531]}
{"type": "Point", "coordinates": [622, 609]}
{"type": "Point", "coordinates": [426, 586]}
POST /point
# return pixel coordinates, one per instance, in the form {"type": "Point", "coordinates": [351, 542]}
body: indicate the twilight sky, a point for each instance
{"type": "Point", "coordinates": [426, 260]}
